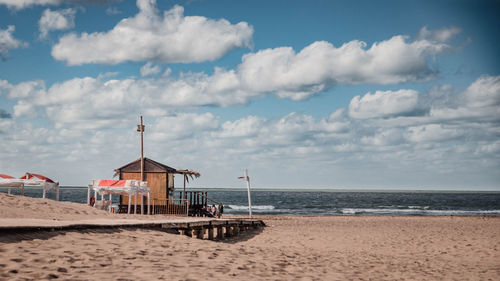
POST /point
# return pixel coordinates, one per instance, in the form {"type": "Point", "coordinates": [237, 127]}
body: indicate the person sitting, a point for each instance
{"type": "Point", "coordinates": [214, 210]}
{"type": "Point", "coordinates": [102, 204]}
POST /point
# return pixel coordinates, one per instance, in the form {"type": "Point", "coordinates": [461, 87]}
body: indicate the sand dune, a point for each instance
{"type": "Point", "coordinates": [290, 248]}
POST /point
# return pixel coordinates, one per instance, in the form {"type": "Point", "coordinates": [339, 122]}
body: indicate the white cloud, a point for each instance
{"type": "Point", "coordinates": [25, 109]}
{"type": "Point", "coordinates": [8, 42]}
{"type": "Point", "coordinates": [480, 101]}
{"type": "Point", "coordinates": [383, 104]}
{"type": "Point", "coordinates": [440, 35]}
{"type": "Point", "coordinates": [432, 133]}
{"type": "Point", "coordinates": [384, 137]}
{"type": "Point", "coordinates": [112, 11]}
{"type": "Point", "coordinates": [56, 20]}
{"type": "Point", "coordinates": [484, 92]}
{"type": "Point", "coordinates": [22, 4]}
{"type": "Point", "coordinates": [245, 127]}
{"type": "Point", "coordinates": [22, 90]}
{"type": "Point", "coordinates": [183, 125]}
{"type": "Point", "coordinates": [152, 36]}
{"type": "Point", "coordinates": [149, 69]}
{"type": "Point", "coordinates": [336, 145]}
{"type": "Point", "coordinates": [321, 65]}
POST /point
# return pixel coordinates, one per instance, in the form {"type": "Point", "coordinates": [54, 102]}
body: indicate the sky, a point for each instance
{"type": "Point", "coordinates": [303, 94]}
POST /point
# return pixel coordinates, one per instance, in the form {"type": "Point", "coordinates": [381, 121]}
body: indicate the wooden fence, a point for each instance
{"type": "Point", "coordinates": [170, 206]}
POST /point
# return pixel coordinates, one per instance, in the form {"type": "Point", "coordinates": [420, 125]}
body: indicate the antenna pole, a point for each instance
{"type": "Point", "coordinates": [140, 128]}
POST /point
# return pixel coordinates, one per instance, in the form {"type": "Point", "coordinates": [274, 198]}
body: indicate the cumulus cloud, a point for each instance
{"type": "Point", "coordinates": [439, 35]}
{"type": "Point", "coordinates": [153, 36]}
{"type": "Point", "coordinates": [23, 90]}
{"type": "Point", "coordinates": [480, 101]}
{"type": "Point", "coordinates": [76, 101]}
{"type": "Point", "coordinates": [432, 133]}
{"type": "Point", "coordinates": [337, 143]}
{"type": "Point", "coordinates": [383, 104]}
{"type": "Point", "coordinates": [21, 4]}
{"type": "Point", "coordinates": [183, 125]}
{"type": "Point", "coordinates": [149, 69]}
{"type": "Point", "coordinates": [25, 109]}
{"type": "Point", "coordinates": [8, 42]}
{"type": "Point", "coordinates": [322, 65]}
{"type": "Point", "coordinates": [484, 92]}
{"type": "Point", "coordinates": [56, 20]}
{"type": "Point", "coordinates": [245, 127]}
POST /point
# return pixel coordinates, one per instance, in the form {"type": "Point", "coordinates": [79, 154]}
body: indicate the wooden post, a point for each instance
{"type": "Point", "coordinates": [110, 202]}
{"type": "Point", "coordinates": [185, 186]}
{"type": "Point", "coordinates": [88, 195]}
{"type": "Point", "coordinates": [135, 206]}
{"type": "Point", "coordinates": [229, 231]}
{"type": "Point", "coordinates": [211, 233]}
{"type": "Point", "coordinates": [129, 201]}
{"type": "Point", "coordinates": [220, 233]}
{"type": "Point", "coordinates": [200, 233]}
{"type": "Point", "coordinates": [140, 128]}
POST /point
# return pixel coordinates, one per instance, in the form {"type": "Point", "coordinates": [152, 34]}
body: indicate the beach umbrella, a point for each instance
{"type": "Point", "coordinates": [10, 181]}
{"type": "Point", "coordinates": [43, 181]}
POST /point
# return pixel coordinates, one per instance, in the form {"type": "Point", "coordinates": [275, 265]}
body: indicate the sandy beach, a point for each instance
{"type": "Point", "coordinates": [289, 248]}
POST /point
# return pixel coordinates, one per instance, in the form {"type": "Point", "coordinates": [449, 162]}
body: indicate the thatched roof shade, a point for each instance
{"type": "Point", "coordinates": [190, 173]}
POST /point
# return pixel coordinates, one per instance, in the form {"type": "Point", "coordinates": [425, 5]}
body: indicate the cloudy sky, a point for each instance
{"type": "Point", "coordinates": [305, 94]}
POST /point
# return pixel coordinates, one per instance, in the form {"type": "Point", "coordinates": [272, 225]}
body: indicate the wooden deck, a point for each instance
{"type": "Point", "coordinates": [200, 228]}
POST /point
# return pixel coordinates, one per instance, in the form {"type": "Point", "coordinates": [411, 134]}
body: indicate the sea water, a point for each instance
{"type": "Point", "coordinates": [329, 202]}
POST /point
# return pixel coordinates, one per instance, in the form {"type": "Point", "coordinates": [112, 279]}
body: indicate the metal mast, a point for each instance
{"type": "Point", "coordinates": [140, 128]}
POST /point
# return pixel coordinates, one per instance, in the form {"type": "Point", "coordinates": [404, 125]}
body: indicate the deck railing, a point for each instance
{"type": "Point", "coordinates": [170, 206]}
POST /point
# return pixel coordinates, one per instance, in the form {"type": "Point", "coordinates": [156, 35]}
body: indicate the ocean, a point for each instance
{"type": "Point", "coordinates": [330, 202]}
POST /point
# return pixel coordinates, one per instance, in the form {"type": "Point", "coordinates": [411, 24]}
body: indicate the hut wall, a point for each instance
{"type": "Point", "coordinates": [157, 183]}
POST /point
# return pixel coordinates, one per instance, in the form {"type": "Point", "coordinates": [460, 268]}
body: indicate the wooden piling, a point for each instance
{"type": "Point", "coordinates": [229, 231]}
{"type": "Point", "coordinates": [211, 233]}
{"type": "Point", "coordinates": [220, 232]}
{"type": "Point", "coordinates": [200, 233]}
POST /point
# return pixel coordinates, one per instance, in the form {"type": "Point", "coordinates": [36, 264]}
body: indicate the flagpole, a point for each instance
{"type": "Point", "coordinates": [249, 197]}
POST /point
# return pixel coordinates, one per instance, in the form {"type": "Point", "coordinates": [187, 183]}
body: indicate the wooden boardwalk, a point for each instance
{"type": "Point", "coordinates": [202, 228]}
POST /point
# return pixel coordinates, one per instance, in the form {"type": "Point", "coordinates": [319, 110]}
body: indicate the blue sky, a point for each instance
{"type": "Point", "coordinates": [306, 94]}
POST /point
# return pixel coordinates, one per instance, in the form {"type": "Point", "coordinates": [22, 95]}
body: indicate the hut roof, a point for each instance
{"type": "Point", "coordinates": [150, 166]}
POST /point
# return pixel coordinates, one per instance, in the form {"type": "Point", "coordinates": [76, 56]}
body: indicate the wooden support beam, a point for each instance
{"type": "Point", "coordinates": [211, 233]}
{"type": "Point", "coordinates": [229, 231]}
{"type": "Point", "coordinates": [200, 232]}
{"type": "Point", "coordinates": [220, 232]}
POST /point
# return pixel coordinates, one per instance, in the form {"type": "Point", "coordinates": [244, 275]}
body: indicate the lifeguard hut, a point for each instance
{"type": "Point", "coordinates": [160, 179]}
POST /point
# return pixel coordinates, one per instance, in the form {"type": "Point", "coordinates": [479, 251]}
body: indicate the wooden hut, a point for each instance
{"type": "Point", "coordinates": [160, 178]}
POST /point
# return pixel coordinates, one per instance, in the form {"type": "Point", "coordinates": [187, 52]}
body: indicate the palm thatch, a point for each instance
{"type": "Point", "coordinates": [191, 173]}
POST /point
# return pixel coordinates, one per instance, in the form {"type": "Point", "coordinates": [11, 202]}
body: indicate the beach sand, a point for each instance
{"type": "Point", "coordinates": [289, 248]}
